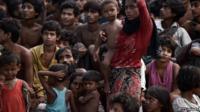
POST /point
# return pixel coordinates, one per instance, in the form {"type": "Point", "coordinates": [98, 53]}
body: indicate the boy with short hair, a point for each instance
{"type": "Point", "coordinates": [91, 98]}
{"type": "Point", "coordinates": [9, 31]}
{"type": "Point", "coordinates": [29, 11]}
{"type": "Point", "coordinates": [43, 55]}
{"type": "Point", "coordinates": [69, 13]}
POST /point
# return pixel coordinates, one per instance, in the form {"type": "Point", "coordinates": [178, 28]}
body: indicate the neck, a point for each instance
{"type": "Point", "coordinates": [11, 83]}
{"type": "Point", "coordinates": [188, 95]}
{"type": "Point", "coordinates": [9, 45]}
{"type": "Point", "coordinates": [161, 65]}
{"type": "Point", "coordinates": [198, 19]}
{"type": "Point", "coordinates": [60, 86]}
{"type": "Point", "coordinates": [166, 24]}
{"type": "Point", "coordinates": [93, 27]}
{"type": "Point", "coordinates": [51, 48]}
{"type": "Point", "coordinates": [28, 22]}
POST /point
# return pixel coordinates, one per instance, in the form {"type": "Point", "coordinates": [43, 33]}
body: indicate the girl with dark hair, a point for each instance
{"type": "Point", "coordinates": [157, 99]}
{"type": "Point", "coordinates": [132, 43]}
{"type": "Point", "coordinates": [162, 71]}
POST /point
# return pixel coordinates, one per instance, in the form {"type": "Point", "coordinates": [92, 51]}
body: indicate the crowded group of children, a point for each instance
{"type": "Point", "coordinates": [99, 55]}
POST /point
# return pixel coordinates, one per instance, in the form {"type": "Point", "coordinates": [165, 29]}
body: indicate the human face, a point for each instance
{"type": "Point", "coordinates": [195, 6]}
{"type": "Point", "coordinates": [49, 37]}
{"type": "Point", "coordinates": [151, 104]}
{"type": "Point", "coordinates": [3, 37]}
{"type": "Point", "coordinates": [76, 85]}
{"type": "Point", "coordinates": [89, 86]}
{"type": "Point", "coordinates": [92, 16]}
{"type": "Point", "coordinates": [63, 44]}
{"type": "Point", "coordinates": [66, 57]}
{"type": "Point", "coordinates": [27, 11]}
{"type": "Point", "coordinates": [80, 4]}
{"type": "Point", "coordinates": [10, 71]}
{"type": "Point", "coordinates": [166, 12]}
{"type": "Point", "coordinates": [116, 107]}
{"type": "Point", "coordinates": [131, 10]}
{"type": "Point", "coordinates": [165, 53]}
{"type": "Point", "coordinates": [110, 11]}
{"type": "Point", "coordinates": [67, 17]}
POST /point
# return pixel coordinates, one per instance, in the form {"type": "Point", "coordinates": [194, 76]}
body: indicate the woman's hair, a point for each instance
{"type": "Point", "coordinates": [162, 95]}
{"type": "Point", "coordinates": [188, 78]}
{"type": "Point", "coordinates": [128, 103]}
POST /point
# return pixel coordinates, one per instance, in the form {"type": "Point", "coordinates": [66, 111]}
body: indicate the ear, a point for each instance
{"type": "Point", "coordinates": [8, 35]}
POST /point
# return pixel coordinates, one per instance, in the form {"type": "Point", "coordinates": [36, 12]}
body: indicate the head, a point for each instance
{"type": "Point", "coordinates": [79, 50]}
{"type": "Point", "coordinates": [65, 56]}
{"type": "Point", "coordinates": [110, 9]}
{"type": "Point", "coordinates": [166, 49]}
{"type": "Point", "coordinates": [124, 102]}
{"type": "Point", "coordinates": [172, 9]}
{"type": "Point", "coordinates": [75, 82]}
{"type": "Point", "coordinates": [157, 99]}
{"type": "Point", "coordinates": [195, 6]}
{"type": "Point", "coordinates": [132, 20]}
{"type": "Point", "coordinates": [13, 7]}
{"type": "Point", "coordinates": [50, 32]}
{"type": "Point", "coordinates": [155, 6]}
{"type": "Point", "coordinates": [80, 4]}
{"type": "Point", "coordinates": [59, 68]}
{"type": "Point", "coordinates": [66, 39]}
{"type": "Point", "coordinates": [186, 75]}
{"type": "Point", "coordinates": [90, 80]}
{"type": "Point", "coordinates": [93, 12]}
{"type": "Point", "coordinates": [10, 65]}
{"type": "Point", "coordinates": [30, 9]}
{"type": "Point", "coordinates": [9, 30]}
{"type": "Point", "coordinates": [69, 13]}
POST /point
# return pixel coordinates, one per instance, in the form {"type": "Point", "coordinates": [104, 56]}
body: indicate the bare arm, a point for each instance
{"type": "Point", "coordinates": [176, 69]}
{"type": "Point", "coordinates": [72, 102]}
{"type": "Point", "coordinates": [84, 99]}
{"type": "Point", "coordinates": [51, 95]}
{"type": "Point", "coordinates": [28, 65]}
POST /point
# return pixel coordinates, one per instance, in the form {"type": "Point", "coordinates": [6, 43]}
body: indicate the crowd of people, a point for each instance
{"type": "Point", "coordinates": [99, 55]}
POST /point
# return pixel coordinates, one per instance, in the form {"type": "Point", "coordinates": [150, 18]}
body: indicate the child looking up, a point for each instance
{"type": "Point", "coordinates": [162, 71]}
{"type": "Point", "coordinates": [91, 98]}
{"type": "Point", "coordinates": [15, 96]}
{"type": "Point", "coordinates": [59, 98]}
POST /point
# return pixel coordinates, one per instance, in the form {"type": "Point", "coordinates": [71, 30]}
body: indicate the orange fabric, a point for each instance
{"type": "Point", "coordinates": [13, 100]}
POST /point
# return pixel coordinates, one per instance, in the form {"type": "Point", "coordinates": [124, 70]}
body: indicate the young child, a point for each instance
{"type": "Point", "coordinates": [14, 92]}
{"type": "Point", "coordinates": [9, 31]}
{"type": "Point", "coordinates": [162, 71]}
{"type": "Point", "coordinates": [59, 98]}
{"type": "Point", "coordinates": [30, 11]}
{"type": "Point", "coordinates": [157, 99]}
{"type": "Point", "coordinates": [188, 82]}
{"type": "Point", "coordinates": [109, 10]}
{"type": "Point", "coordinates": [89, 101]}
{"type": "Point", "coordinates": [123, 102]}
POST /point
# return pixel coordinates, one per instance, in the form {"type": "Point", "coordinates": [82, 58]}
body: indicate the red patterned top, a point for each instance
{"type": "Point", "coordinates": [131, 48]}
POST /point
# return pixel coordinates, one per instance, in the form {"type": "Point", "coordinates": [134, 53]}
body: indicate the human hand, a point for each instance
{"type": "Point", "coordinates": [103, 35]}
{"type": "Point", "coordinates": [95, 56]}
{"type": "Point", "coordinates": [59, 74]}
{"type": "Point", "coordinates": [81, 99]}
{"type": "Point", "coordinates": [107, 88]}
